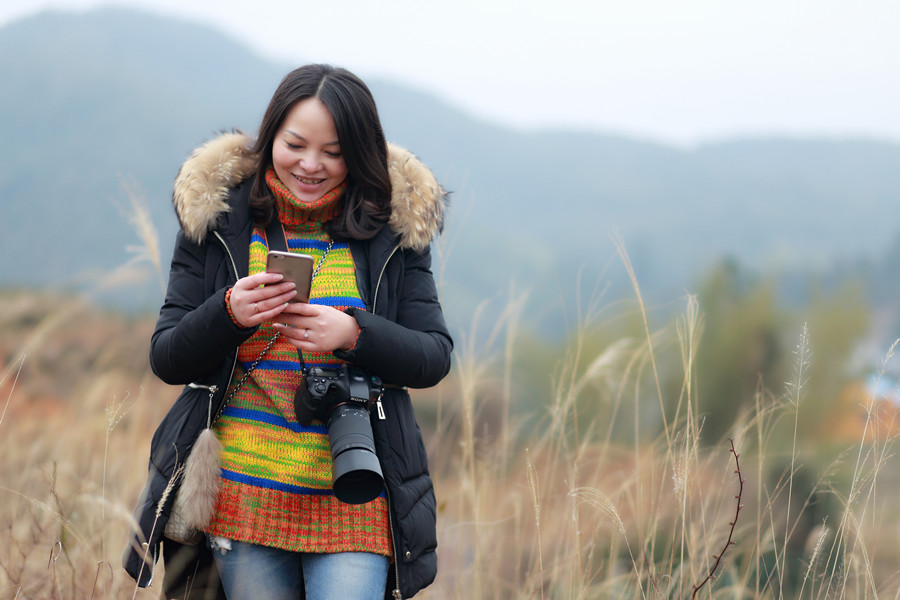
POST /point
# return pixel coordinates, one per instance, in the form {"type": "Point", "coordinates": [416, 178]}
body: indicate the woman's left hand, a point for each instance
{"type": "Point", "coordinates": [317, 328]}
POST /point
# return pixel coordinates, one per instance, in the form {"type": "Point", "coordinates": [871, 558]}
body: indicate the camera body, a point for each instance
{"type": "Point", "coordinates": [326, 388]}
{"type": "Point", "coordinates": [341, 398]}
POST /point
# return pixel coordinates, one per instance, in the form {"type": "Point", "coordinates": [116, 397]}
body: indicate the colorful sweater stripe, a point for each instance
{"type": "Point", "coordinates": [276, 473]}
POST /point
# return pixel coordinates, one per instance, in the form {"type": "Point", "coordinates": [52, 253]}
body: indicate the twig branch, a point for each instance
{"type": "Point", "coordinates": [737, 511]}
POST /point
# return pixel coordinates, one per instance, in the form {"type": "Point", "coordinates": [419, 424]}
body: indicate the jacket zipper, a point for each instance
{"type": "Point", "coordinates": [212, 389]}
{"type": "Point", "coordinates": [396, 591]}
{"type": "Point", "coordinates": [381, 276]}
{"type": "Point", "coordinates": [154, 555]}
{"type": "Point", "coordinates": [234, 270]}
{"type": "Point", "coordinates": [378, 405]}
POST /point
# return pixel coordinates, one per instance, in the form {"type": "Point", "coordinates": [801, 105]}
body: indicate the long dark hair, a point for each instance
{"type": "Point", "coordinates": [366, 199]}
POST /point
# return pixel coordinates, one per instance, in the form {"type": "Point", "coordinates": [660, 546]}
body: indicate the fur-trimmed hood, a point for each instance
{"type": "Point", "coordinates": [202, 185]}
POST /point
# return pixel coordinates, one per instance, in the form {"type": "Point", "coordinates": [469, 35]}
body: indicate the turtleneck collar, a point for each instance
{"type": "Point", "coordinates": [293, 213]}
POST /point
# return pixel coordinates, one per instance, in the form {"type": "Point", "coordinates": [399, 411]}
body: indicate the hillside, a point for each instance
{"type": "Point", "coordinates": [111, 101]}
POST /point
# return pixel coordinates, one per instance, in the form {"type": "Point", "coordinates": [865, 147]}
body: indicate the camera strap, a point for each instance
{"type": "Point", "coordinates": [319, 264]}
{"type": "Point", "coordinates": [275, 238]}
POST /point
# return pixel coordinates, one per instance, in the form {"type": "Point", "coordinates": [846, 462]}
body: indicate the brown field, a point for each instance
{"type": "Point", "coordinates": [596, 493]}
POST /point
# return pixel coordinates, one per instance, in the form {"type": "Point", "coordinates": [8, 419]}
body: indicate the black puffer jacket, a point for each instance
{"type": "Point", "coordinates": [403, 339]}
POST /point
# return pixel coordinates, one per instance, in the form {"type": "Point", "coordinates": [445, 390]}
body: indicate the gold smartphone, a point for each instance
{"type": "Point", "coordinates": [295, 267]}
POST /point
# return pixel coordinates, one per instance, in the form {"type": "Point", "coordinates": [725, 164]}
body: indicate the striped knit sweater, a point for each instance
{"type": "Point", "coordinates": [275, 488]}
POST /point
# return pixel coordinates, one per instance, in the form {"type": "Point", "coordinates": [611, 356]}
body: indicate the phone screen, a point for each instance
{"type": "Point", "coordinates": [295, 267]}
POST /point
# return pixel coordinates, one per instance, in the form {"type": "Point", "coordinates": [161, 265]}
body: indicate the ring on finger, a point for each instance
{"type": "Point", "coordinates": [256, 306]}
{"type": "Point", "coordinates": [306, 334]}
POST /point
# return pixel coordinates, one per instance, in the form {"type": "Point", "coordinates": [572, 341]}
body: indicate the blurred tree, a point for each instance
{"type": "Point", "coordinates": [598, 382]}
{"type": "Point", "coordinates": [837, 320]}
{"type": "Point", "coordinates": [740, 348]}
{"type": "Point", "coordinates": [750, 342]}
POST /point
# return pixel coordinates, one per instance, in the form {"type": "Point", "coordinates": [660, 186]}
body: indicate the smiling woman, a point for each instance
{"type": "Point", "coordinates": [320, 133]}
{"type": "Point", "coordinates": [307, 154]}
{"type": "Point", "coordinates": [319, 180]}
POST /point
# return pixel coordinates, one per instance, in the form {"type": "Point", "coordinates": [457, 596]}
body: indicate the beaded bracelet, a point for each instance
{"type": "Point", "coordinates": [228, 308]}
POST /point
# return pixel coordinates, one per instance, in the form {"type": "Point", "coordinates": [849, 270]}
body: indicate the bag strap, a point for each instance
{"type": "Point", "coordinates": [276, 240]}
{"type": "Point", "coordinates": [240, 383]}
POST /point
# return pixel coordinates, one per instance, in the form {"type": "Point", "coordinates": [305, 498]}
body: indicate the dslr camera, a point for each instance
{"type": "Point", "coordinates": [341, 398]}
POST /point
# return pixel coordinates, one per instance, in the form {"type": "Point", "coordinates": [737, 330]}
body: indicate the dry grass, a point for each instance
{"type": "Point", "coordinates": [79, 409]}
{"type": "Point", "coordinates": [608, 491]}
{"type": "Point", "coordinates": [522, 515]}
{"type": "Point", "coordinates": [558, 514]}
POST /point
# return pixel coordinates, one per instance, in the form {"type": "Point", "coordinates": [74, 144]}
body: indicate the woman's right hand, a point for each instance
{"type": "Point", "coordinates": [259, 298]}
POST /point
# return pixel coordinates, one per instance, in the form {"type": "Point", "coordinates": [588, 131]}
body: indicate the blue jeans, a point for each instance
{"type": "Point", "coordinates": [252, 572]}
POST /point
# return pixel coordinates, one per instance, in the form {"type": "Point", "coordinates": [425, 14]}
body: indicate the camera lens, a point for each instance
{"type": "Point", "coordinates": [357, 476]}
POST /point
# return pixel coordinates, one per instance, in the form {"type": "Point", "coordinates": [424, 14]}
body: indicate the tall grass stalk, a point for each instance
{"type": "Point", "coordinates": [796, 390]}
{"type": "Point", "coordinates": [632, 276]}
{"type": "Point", "coordinates": [138, 216]}
{"type": "Point", "coordinates": [534, 487]}
{"type": "Point", "coordinates": [473, 367]}
{"type": "Point", "coordinates": [513, 316]}
{"type": "Point", "coordinates": [114, 414]}
{"type": "Point", "coordinates": [872, 458]}
{"type": "Point", "coordinates": [7, 372]}
{"type": "Point", "coordinates": [689, 329]}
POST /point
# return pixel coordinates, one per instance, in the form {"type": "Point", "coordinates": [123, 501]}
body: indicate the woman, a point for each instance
{"type": "Point", "coordinates": [228, 330]}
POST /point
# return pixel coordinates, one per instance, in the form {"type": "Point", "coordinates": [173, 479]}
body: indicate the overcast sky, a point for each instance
{"type": "Point", "coordinates": [679, 71]}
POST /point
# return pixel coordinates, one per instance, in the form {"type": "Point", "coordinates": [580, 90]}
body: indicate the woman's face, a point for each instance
{"type": "Point", "coordinates": [306, 154]}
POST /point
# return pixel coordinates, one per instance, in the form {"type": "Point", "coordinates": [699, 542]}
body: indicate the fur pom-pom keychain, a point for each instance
{"type": "Point", "coordinates": [195, 501]}
{"type": "Point", "coordinates": [200, 485]}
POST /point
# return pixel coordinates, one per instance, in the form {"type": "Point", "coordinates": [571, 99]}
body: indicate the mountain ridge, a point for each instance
{"type": "Point", "coordinates": [116, 95]}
